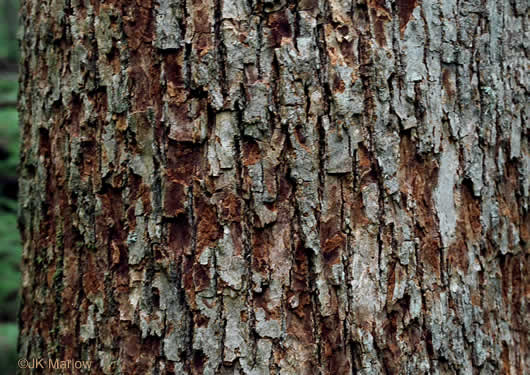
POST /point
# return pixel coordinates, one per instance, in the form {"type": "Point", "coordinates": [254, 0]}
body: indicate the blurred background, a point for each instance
{"type": "Point", "coordinates": [10, 246]}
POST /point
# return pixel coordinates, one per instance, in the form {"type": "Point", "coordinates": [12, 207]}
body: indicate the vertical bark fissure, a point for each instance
{"type": "Point", "coordinates": [220, 47]}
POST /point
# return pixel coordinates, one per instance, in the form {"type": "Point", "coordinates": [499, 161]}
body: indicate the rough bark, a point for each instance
{"type": "Point", "coordinates": [276, 187]}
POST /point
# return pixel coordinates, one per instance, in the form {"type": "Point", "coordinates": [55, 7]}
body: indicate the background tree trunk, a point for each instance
{"type": "Point", "coordinates": [276, 187]}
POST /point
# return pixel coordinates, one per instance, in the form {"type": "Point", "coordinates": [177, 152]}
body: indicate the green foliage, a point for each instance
{"type": "Point", "coordinates": [8, 29]}
{"type": "Point", "coordinates": [8, 89]}
{"type": "Point", "coordinates": [8, 347]}
{"type": "Point", "coordinates": [9, 131]}
{"type": "Point", "coordinates": [9, 256]}
{"type": "Point", "coordinates": [10, 244]}
{"type": "Point", "coordinates": [9, 141]}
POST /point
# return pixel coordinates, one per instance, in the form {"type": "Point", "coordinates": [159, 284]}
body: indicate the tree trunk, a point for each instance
{"type": "Point", "coordinates": [276, 187]}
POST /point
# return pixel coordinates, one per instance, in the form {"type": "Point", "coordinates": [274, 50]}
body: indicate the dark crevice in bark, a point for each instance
{"type": "Point", "coordinates": [296, 25]}
{"type": "Point", "coordinates": [220, 48]}
{"type": "Point", "coordinates": [187, 61]}
{"type": "Point", "coordinates": [260, 47]}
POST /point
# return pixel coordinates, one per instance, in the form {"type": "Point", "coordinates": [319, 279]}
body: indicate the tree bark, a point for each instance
{"type": "Point", "coordinates": [276, 187]}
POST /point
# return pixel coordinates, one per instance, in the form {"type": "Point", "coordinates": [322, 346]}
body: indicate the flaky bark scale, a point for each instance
{"type": "Point", "coordinates": [277, 187]}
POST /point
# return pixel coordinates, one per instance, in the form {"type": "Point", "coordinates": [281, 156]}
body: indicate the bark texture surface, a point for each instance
{"type": "Point", "coordinates": [276, 187]}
